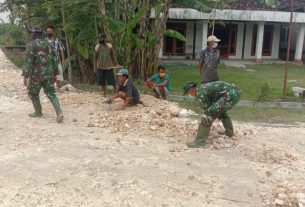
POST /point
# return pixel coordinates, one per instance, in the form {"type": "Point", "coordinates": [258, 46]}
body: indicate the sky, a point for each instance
{"type": "Point", "coordinates": [3, 16]}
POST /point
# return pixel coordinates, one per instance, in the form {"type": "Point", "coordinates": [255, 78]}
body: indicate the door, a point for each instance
{"type": "Point", "coordinates": [228, 36]}
{"type": "Point", "coordinates": [173, 46]}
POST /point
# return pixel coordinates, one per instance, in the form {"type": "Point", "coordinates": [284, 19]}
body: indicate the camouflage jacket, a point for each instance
{"type": "Point", "coordinates": [41, 62]}
{"type": "Point", "coordinates": [211, 92]}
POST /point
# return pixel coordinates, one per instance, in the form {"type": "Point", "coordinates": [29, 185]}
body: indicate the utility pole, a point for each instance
{"type": "Point", "coordinates": [288, 49]}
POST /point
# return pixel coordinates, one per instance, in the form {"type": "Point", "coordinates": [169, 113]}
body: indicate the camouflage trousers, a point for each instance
{"type": "Point", "coordinates": [35, 87]}
{"type": "Point", "coordinates": [219, 108]}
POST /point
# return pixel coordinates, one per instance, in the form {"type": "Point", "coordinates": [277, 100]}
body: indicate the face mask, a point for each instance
{"type": "Point", "coordinates": [102, 41]}
{"type": "Point", "coordinates": [161, 75]}
{"type": "Point", "coordinates": [215, 44]}
{"type": "Point", "coordinates": [49, 34]}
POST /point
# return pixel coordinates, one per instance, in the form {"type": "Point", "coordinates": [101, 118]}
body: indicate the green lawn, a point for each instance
{"type": "Point", "coordinates": [251, 79]}
{"type": "Point", "coordinates": [255, 114]}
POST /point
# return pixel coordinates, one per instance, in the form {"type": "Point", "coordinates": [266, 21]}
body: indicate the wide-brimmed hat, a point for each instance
{"type": "Point", "coordinates": [213, 38]}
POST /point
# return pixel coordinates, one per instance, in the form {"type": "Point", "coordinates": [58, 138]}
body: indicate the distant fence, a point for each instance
{"type": "Point", "coordinates": [15, 48]}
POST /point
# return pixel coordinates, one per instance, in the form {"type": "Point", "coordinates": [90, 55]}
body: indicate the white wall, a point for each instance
{"type": "Point", "coordinates": [239, 46]}
{"type": "Point", "coordinates": [275, 43]}
{"type": "Point", "coordinates": [189, 37]}
{"type": "Point", "coordinates": [248, 41]}
{"type": "Point", "coordinates": [199, 42]}
{"type": "Point", "coordinates": [239, 43]}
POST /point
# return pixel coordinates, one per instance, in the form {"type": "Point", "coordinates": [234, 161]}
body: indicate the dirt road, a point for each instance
{"type": "Point", "coordinates": [102, 157]}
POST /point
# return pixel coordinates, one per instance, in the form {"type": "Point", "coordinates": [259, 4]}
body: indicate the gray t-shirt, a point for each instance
{"type": "Point", "coordinates": [209, 60]}
{"type": "Point", "coordinates": [130, 90]}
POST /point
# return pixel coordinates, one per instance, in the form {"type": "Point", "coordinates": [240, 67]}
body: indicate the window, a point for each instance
{"type": "Point", "coordinates": [267, 40]}
{"type": "Point", "coordinates": [233, 38]}
{"type": "Point", "coordinates": [172, 45]}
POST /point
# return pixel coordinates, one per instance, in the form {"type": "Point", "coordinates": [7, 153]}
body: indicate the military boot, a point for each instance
{"type": "Point", "coordinates": [56, 105]}
{"type": "Point", "coordinates": [227, 123]}
{"type": "Point", "coordinates": [37, 108]}
{"type": "Point", "coordinates": [202, 136]}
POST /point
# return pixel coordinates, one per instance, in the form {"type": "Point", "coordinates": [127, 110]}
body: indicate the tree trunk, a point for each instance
{"type": "Point", "coordinates": [70, 77]}
{"type": "Point", "coordinates": [28, 15]}
{"type": "Point", "coordinates": [104, 20]}
{"type": "Point", "coordinates": [158, 31]}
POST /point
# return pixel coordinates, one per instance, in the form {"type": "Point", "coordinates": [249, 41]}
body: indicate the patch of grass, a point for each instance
{"type": "Point", "coordinates": [87, 87]}
{"type": "Point", "coordinates": [16, 57]}
{"type": "Point", "coordinates": [255, 114]}
{"type": "Point", "coordinates": [267, 115]}
{"type": "Point", "coordinates": [92, 88]}
{"type": "Point", "coordinates": [17, 60]}
{"type": "Point", "coordinates": [250, 79]}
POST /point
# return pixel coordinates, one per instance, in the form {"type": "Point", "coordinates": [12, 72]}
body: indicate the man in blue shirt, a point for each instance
{"type": "Point", "coordinates": [159, 83]}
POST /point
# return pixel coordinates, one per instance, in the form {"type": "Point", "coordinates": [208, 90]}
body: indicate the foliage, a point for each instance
{"type": "Point", "coordinates": [256, 114]}
{"type": "Point", "coordinates": [265, 91]}
{"type": "Point", "coordinates": [175, 34]}
{"type": "Point", "coordinates": [12, 35]}
{"type": "Point", "coordinates": [249, 79]}
{"type": "Point", "coordinates": [135, 36]}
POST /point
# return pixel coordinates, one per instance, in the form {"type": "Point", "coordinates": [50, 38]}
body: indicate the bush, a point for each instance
{"type": "Point", "coordinates": [11, 34]}
{"type": "Point", "coordinates": [265, 91]}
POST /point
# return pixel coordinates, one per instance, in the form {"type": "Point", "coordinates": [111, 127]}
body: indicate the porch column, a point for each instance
{"type": "Point", "coordinates": [240, 41]}
{"type": "Point", "coordinates": [299, 45]}
{"type": "Point", "coordinates": [259, 42]}
{"type": "Point", "coordinates": [204, 34]}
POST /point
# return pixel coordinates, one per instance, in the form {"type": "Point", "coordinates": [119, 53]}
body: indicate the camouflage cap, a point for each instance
{"type": "Point", "coordinates": [188, 86]}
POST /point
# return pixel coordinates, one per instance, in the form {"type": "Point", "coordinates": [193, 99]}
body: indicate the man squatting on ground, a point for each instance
{"type": "Point", "coordinates": [158, 83]}
{"type": "Point", "coordinates": [39, 71]}
{"type": "Point", "coordinates": [104, 64]}
{"type": "Point", "coordinates": [126, 91]}
{"type": "Point", "coordinates": [216, 98]}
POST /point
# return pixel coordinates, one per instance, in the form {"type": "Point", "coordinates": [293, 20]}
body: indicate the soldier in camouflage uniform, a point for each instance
{"type": "Point", "coordinates": [216, 98]}
{"type": "Point", "coordinates": [39, 72]}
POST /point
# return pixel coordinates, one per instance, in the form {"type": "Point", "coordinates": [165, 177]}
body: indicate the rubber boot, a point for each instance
{"type": "Point", "coordinates": [37, 108]}
{"type": "Point", "coordinates": [56, 105]}
{"type": "Point", "coordinates": [202, 136]}
{"type": "Point", "coordinates": [227, 123]}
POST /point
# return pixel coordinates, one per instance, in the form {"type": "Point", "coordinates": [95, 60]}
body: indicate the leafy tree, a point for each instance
{"type": "Point", "coordinates": [136, 37]}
